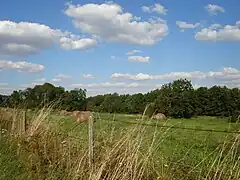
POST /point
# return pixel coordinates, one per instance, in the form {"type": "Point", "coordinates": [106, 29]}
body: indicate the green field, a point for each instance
{"type": "Point", "coordinates": [125, 147]}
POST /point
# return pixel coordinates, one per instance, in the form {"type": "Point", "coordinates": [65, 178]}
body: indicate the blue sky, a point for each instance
{"type": "Point", "coordinates": [120, 46]}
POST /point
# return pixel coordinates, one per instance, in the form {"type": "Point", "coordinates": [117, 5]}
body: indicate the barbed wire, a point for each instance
{"type": "Point", "coordinates": [163, 126]}
{"type": "Point", "coordinates": [175, 127]}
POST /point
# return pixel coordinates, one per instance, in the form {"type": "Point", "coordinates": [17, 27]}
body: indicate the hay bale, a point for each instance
{"type": "Point", "coordinates": [63, 112]}
{"type": "Point", "coordinates": [159, 116]}
{"type": "Point", "coordinates": [81, 116]}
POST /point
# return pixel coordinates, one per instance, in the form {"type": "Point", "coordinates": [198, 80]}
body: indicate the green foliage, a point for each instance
{"type": "Point", "coordinates": [60, 151]}
{"type": "Point", "coordinates": [177, 99]}
{"type": "Point", "coordinates": [10, 165]}
{"type": "Point", "coordinates": [3, 100]}
{"type": "Point", "coordinates": [42, 95]}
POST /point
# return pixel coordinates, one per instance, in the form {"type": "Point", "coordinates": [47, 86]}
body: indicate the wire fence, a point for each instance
{"type": "Point", "coordinates": [161, 126]}
{"type": "Point", "coordinates": [175, 127]}
{"type": "Point", "coordinates": [94, 142]}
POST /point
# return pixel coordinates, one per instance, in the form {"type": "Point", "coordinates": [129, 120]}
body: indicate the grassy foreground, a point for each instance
{"type": "Point", "coordinates": [55, 147]}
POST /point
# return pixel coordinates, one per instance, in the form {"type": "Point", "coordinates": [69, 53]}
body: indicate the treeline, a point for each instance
{"type": "Point", "coordinates": [176, 99]}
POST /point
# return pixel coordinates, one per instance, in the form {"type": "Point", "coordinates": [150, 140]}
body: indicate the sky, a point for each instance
{"type": "Point", "coordinates": [118, 46]}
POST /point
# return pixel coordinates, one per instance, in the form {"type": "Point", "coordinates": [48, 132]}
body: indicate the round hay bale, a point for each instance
{"type": "Point", "coordinates": [81, 116]}
{"type": "Point", "coordinates": [63, 112]}
{"type": "Point", "coordinates": [159, 116]}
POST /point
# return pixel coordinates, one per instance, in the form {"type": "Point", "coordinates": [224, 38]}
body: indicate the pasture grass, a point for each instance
{"type": "Point", "coordinates": [11, 166]}
{"type": "Point", "coordinates": [55, 147]}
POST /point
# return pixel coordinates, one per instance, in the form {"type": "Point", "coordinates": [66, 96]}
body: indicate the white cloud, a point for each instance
{"type": "Point", "coordinates": [56, 80]}
{"type": "Point", "coordinates": [157, 8]}
{"type": "Point", "coordinates": [133, 52]}
{"type": "Point", "coordinates": [119, 87]}
{"type": "Point", "coordinates": [143, 59]}
{"type": "Point", "coordinates": [230, 70]}
{"type": "Point", "coordinates": [214, 9]}
{"type": "Point", "coordinates": [184, 25]}
{"type": "Point", "coordinates": [88, 76]}
{"type": "Point", "coordinates": [6, 90]}
{"type": "Point", "coordinates": [30, 85]}
{"type": "Point", "coordinates": [61, 77]}
{"type": "Point", "coordinates": [21, 66]}
{"type": "Point", "coordinates": [23, 38]}
{"type": "Point", "coordinates": [26, 38]}
{"type": "Point", "coordinates": [18, 49]}
{"type": "Point", "coordinates": [158, 86]}
{"type": "Point", "coordinates": [106, 85]}
{"type": "Point", "coordinates": [40, 80]}
{"type": "Point", "coordinates": [146, 82]}
{"type": "Point", "coordinates": [107, 21]}
{"type": "Point", "coordinates": [215, 26]}
{"type": "Point", "coordinates": [139, 76]}
{"type": "Point", "coordinates": [3, 84]}
{"type": "Point", "coordinates": [77, 43]}
{"type": "Point", "coordinates": [228, 73]}
{"type": "Point", "coordinates": [111, 87]}
{"type": "Point", "coordinates": [228, 76]}
{"type": "Point", "coordinates": [219, 33]}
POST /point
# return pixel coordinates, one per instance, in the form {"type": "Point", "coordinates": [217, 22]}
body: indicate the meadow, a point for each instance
{"type": "Point", "coordinates": [125, 147]}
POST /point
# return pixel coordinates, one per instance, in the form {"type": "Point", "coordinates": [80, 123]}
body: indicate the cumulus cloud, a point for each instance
{"type": "Point", "coordinates": [109, 22]}
{"type": "Point", "coordinates": [214, 9]}
{"type": "Point", "coordinates": [139, 76]}
{"type": "Point", "coordinates": [6, 90]}
{"type": "Point", "coordinates": [61, 77]}
{"type": "Point", "coordinates": [26, 38]}
{"type": "Point", "coordinates": [77, 43]}
{"type": "Point", "coordinates": [88, 76]}
{"type": "Point", "coordinates": [218, 33]}
{"type": "Point", "coordinates": [119, 87]}
{"type": "Point", "coordinates": [106, 85]}
{"type": "Point", "coordinates": [184, 25]}
{"type": "Point", "coordinates": [227, 73]}
{"type": "Point", "coordinates": [21, 66]}
{"type": "Point", "coordinates": [133, 52]}
{"type": "Point", "coordinates": [143, 59]}
{"type": "Point", "coordinates": [227, 76]}
{"type": "Point", "coordinates": [157, 8]}
{"type": "Point", "coordinates": [111, 87]}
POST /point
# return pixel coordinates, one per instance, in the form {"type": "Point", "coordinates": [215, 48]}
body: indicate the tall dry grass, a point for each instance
{"type": "Point", "coordinates": [48, 153]}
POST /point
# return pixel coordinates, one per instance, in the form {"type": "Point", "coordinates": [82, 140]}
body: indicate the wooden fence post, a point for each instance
{"type": "Point", "coordinates": [91, 143]}
{"type": "Point", "coordinates": [25, 120]}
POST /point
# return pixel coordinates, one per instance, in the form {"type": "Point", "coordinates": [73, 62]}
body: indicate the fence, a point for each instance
{"type": "Point", "coordinates": [91, 131]}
